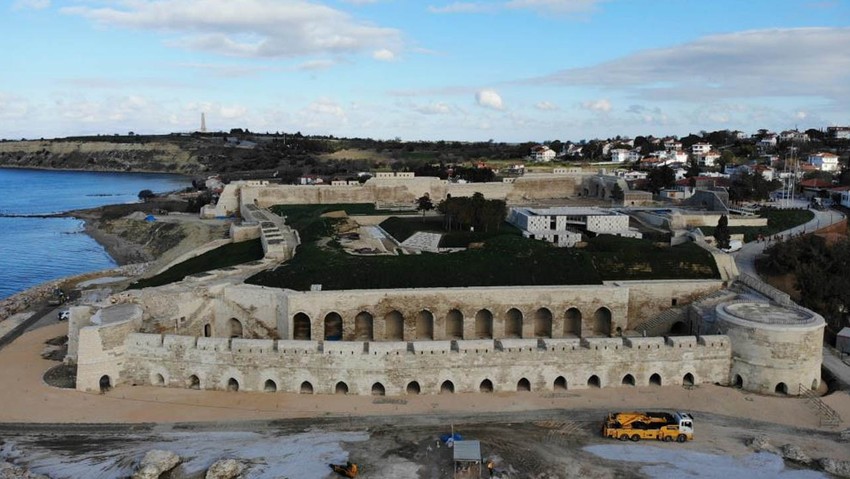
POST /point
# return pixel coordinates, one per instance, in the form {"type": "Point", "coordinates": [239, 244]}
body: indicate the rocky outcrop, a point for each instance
{"type": "Point", "coordinates": [760, 443]}
{"type": "Point", "coordinates": [155, 463]}
{"type": "Point", "coordinates": [793, 453]}
{"type": "Point", "coordinates": [11, 471]}
{"type": "Point", "coordinates": [835, 467]}
{"type": "Point", "coordinates": [225, 469]}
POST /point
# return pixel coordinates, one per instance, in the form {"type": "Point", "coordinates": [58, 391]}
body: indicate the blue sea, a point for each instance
{"type": "Point", "coordinates": [35, 250]}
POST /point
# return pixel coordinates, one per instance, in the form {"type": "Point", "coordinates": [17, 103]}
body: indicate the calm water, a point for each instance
{"type": "Point", "coordinates": [35, 250]}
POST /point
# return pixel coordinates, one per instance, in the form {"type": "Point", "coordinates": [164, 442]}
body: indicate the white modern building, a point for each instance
{"type": "Point", "coordinates": [562, 225]}
{"type": "Point", "coordinates": [824, 161]}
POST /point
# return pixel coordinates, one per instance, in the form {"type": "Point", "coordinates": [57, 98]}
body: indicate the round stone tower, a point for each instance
{"type": "Point", "coordinates": [775, 348]}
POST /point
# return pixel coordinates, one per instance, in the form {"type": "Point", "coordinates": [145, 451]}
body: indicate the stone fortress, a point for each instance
{"type": "Point", "coordinates": [212, 331]}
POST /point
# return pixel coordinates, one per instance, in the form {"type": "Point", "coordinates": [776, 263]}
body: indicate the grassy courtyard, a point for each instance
{"type": "Point", "coordinates": [777, 221]}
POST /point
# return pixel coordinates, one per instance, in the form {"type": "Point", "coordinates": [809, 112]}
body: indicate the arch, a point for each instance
{"type": "Point", "coordinates": [105, 383]}
{"type": "Point", "coordinates": [194, 382]}
{"type": "Point", "coordinates": [270, 386]}
{"type": "Point", "coordinates": [454, 324]}
{"type": "Point", "coordinates": [333, 327]}
{"type": "Point", "coordinates": [679, 328]}
{"type": "Point", "coordinates": [447, 387]}
{"type": "Point", "coordinates": [560, 384]}
{"type": "Point", "coordinates": [602, 322]}
{"type": "Point", "coordinates": [486, 386]}
{"type": "Point", "coordinates": [306, 388]}
{"type": "Point", "coordinates": [781, 388]}
{"type": "Point", "coordinates": [593, 382]}
{"type": "Point", "coordinates": [158, 380]}
{"type": "Point", "coordinates": [739, 381]}
{"type": "Point", "coordinates": [341, 388]}
{"type": "Point", "coordinates": [688, 380]}
{"type": "Point", "coordinates": [484, 324]}
{"type": "Point", "coordinates": [207, 330]}
{"type": "Point", "coordinates": [235, 327]}
{"type": "Point", "coordinates": [378, 389]}
{"type": "Point", "coordinates": [628, 380]}
{"type": "Point", "coordinates": [655, 380]}
{"type": "Point", "coordinates": [513, 323]}
{"type": "Point", "coordinates": [572, 322]}
{"type": "Point", "coordinates": [523, 385]}
{"type": "Point", "coordinates": [543, 323]}
{"type": "Point", "coordinates": [301, 328]}
{"type": "Point", "coordinates": [232, 384]}
{"type": "Point", "coordinates": [424, 325]}
{"type": "Point", "coordinates": [364, 329]}
{"type": "Point", "coordinates": [413, 388]}
{"type": "Point", "coordinates": [394, 326]}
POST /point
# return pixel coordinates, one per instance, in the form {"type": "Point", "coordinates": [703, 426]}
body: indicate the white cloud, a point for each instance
{"type": "Point", "coordinates": [315, 65]}
{"type": "Point", "coordinates": [436, 108]}
{"type": "Point", "coordinates": [546, 106]}
{"type": "Point", "coordinates": [602, 105]}
{"type": "Point", "coordinates": [383, 55]}
{"type": "Point", "coordinates": [799, 62]}
{"type": "Point", "coordinates": [248, 28]}
{"type": "Point", "coordinates": [13, 107]}
{"type": "Point", "coordinates": [464, 7]}
{"type": "Point", "coordinates": [30, 4]}
{"type": "Point", "coordinates": [548, 7]}
{"type": "Point", "coordinates": [489, 99]}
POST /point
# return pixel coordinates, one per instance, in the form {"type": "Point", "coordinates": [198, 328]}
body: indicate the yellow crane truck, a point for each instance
{"type": "Point", "coordinates": [661, 426]}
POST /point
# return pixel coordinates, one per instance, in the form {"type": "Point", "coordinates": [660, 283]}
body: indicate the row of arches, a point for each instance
{"type": "Point", "coordinates": [446, 387]}
{"type": "Point", "coordinates": [393, 325]}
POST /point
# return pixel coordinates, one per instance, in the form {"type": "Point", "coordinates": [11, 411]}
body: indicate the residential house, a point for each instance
{"type": "Point", "coordinates": [838, 132]}
{"type": "Point", "coordinates": [768, 141]}
{"type": "Point", "coordinates": [793, 136]}
{"type": "Point", "coordinates": [709, 159]}
{"type": "Point", "coordinates": [634, 155]}
{"type": "Point", "coordinates": [619, 155]}
{"type": "Point", "coordinates": [824, 161]}
{"type": "Point", "coordinates": [542, 153]}
{"type": "Point", "coordinates": [700, 148]}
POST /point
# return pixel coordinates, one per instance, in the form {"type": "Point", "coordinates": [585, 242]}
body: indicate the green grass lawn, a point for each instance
{"type": "Point", "coordinates": [777, 221]}
{"type": "Point", "coordinates": [228, 255]}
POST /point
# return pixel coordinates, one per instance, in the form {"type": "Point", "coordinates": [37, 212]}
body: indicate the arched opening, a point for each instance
{"type": "Point", "coordinates": [270, 386]}
{"type": "Point", "coordinates": [105, 383]}
{"type": "Point", "coordinates": [194, 382]}
{"type": "Point", "coordinates": [363, 327]}
{"type": "Point", "coordinates": [486, 386]}
{"type": "Point", "coordinates": [306, 388]}
{"type": "Point", "coordinates": [333, 327]}
{"type": "Point", "coordinates": [447, 387]}
{"type": "Point", "coordinates": [158, 380]}
{"type": "Point", "coordinates": [739, 381]}
{"type": "Point", "coordinates": [378, 390]}
{"type": "Point", "coordinates": [341, 388]}
{"type": "Point", "coordinates": [232, 384]}
{"type": "Point", "coordinates": [413, 388]}
{"type": "Point", "coordinates": [523, 385]}
{"type": "Point", "coordinates": [688, 380]}
{"type": "Point", "coordinates": [543, 323]}
{"type": "Point", "coordinates": [560, 383]}
{"type": "Point", "coordinates": [593, 381]}
{"type": "Point", "coordinates": [207, 330]}
{"type": "Point", "coordinates": [394, 326]}
{"type": "Point", "coordinates": [483, 324]}
{"type": "Point", "coordinates": [679, 328]}
{"type": "Point", "coordinates": [572, 322]}
{"type": "Point", "coordinates": [454, 325]}
{"type": "Point", "coordinates": [655, 380]}
{"type": "Point", "coordinates": [301, 328]}
{"type": "Point", "coordinates": [602, 322]}
{"type": "Point", "coordinates": [781, 388]}
{"type": "Point", "coordinates": [513, 323]}
{"type": "Point", "coordinates": [628, 380]}
{"type": "Point", "coordinates": [235, 327]}
{"type": "Point", "coordinates": [424, 325]}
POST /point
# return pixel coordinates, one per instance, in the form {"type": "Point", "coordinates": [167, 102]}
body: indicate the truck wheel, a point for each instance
{"type": "Point", "coordinates": [681, 438]}
{"type": "Point", "coordinates": [623, 437]}
{"type": "Point", "coordinates": [668, 438]}
{"type": "Point", "coordinates": [635, 437]}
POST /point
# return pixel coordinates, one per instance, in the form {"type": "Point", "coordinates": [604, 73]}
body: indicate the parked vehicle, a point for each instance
{"type": "Point", "coordinates": [660, 426]}
{"type": "Point", "coordinates": [64, 315]}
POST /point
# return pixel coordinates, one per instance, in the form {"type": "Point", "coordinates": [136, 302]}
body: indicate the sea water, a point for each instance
{"type": "Point", "coordinates": [33, 249]}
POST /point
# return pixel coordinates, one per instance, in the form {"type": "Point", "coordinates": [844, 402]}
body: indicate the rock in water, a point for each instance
{"type": "Point", "coordinates": [155, 463]}
{"type": "Point", "coordinates": [835, 467]}
{"type": "Point", "coordinates": [760, 443]}
{"type": "Point", "coordinates": [225, 469]}
{"type": "Point", "coordinates": [793, 453]}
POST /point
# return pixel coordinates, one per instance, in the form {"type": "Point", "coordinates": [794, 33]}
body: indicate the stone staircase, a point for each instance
{"type": "Point", "coordinates": [661, 324]}
{"type": "Point", "coordinates": [828, 416]}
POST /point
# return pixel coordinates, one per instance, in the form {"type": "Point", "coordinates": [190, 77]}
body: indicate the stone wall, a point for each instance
{"type": "Point", "coordinates": [101, 353]}
{"type": "Point", "coordinates": [648, 299]}
{"type": "Point", "coordinates": [426, 367]}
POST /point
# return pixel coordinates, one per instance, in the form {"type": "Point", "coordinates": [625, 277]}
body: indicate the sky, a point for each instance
{"type": "Point", "coordinates": [502, 70]}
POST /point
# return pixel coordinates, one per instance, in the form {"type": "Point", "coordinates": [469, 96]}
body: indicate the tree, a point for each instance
{"type": "Point", "coordinates": [660, 178]}
{"type": "Point", "coordinates": [146, 195]}
{"type": "Point", "coordinates": [721, 234]}
{"type": "Point", "coordinates": [424, 204]}
{"type": "Point", "coordinates": [617, 192]}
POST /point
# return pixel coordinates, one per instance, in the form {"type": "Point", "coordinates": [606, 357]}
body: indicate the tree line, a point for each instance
{"type": "Point", "coordinates": [473, 212]}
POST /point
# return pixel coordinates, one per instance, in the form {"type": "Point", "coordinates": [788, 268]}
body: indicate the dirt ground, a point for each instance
{"type": "Point", "coordinates": [536, 434]}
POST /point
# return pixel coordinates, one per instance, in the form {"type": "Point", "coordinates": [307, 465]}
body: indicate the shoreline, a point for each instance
{"type": "Point", "coordinates": [103, 170]}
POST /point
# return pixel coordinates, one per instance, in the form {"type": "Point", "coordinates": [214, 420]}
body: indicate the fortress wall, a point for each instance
{"type": "Point", "coordinates": [648, 299]}
{"type": "Point", "coordinates": [101, 352]}
{"type": "Point", "coordinates": [439, 302]}
{"type": "Point", "coordinates": [395, 365]}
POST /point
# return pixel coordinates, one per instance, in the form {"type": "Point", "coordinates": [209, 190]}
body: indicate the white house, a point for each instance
{"type": "Point", "coordinates": [634, 155]}
{"type": "Point", "coordinates": [824, 161]}
{"type": "Point", "coordinates": [793, 135]}
{"type": "Point", "coordinates": [768, 141]}
{"type": "Point", "coordinates": [700, 148]}
{"type": "Point", "coordinates": [709, 159]}
{"type": "Point", "coordinates": [619, 155]}
{"type": "Point", "coordinates": [542, 153]}
{"type": "Point", "coordinates": [839, 132]}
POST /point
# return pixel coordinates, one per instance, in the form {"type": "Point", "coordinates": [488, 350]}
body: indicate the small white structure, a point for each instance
{"type": "Point", "coordinates": [839, 132]}
{"type": "Point", "coordinates": [709, 159]}
{"type": "Point", "coordinates": [619, 155]}
{"type": "Point", "coordinates": [824, 161]}
{"type": "Point", "coordinates": [559, 225]}
{"type": "Point", "coordinates": [542, 153]}
{"type": "Point", "coordinates": [700, 148]}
